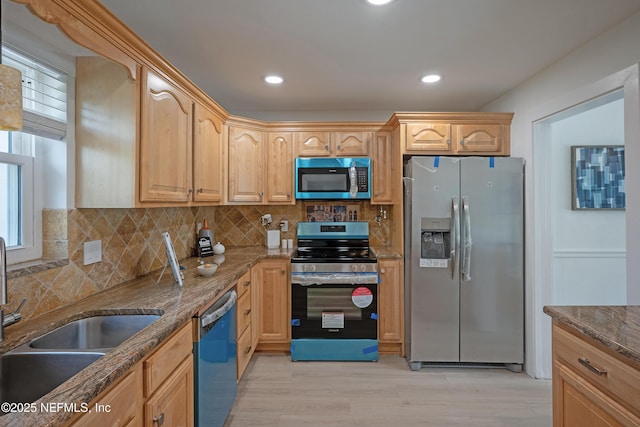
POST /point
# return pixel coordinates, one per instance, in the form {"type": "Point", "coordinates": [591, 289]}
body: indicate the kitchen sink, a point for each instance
{"type": "Point", "coordinates": [26, 377]}
{"type": "Point", "coordinates": [96, 332]}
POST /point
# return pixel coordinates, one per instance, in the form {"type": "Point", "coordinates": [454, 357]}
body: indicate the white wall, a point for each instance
{"type": "Point", "coordinates": [588, 245]}
{"type": "Point", "coordinates": [604, 56]}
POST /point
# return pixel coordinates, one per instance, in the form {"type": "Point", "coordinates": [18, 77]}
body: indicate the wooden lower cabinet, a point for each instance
{"type": "Point", "coordinates": [274, 294]}
{"type": "Point", "coordinates": [592, 386]}
{"type": "Point", "coordinates": [118, 406]}
{"type": "Point", "coordinates": [245, 321]}
{"type": "Point", "coordinates": [172, 403]}
{"type": "Point", "coordinates": [390, 306]}
{"type": "Point", "coordinates": [157, 391]}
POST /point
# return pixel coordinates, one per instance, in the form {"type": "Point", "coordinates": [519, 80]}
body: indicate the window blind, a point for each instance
{"type": "Point", "coordinates": [44, 95]}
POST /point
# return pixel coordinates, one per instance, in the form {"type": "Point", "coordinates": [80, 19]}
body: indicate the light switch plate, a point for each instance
{"type": "Point", "coordinates": [92, 252]}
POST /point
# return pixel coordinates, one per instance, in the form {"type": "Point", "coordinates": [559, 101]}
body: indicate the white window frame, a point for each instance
{"type": "Point", "coordinates": [31, 210]}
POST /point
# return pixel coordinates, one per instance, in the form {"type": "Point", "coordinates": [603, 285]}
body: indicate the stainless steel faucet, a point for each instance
{"type": "Point", "coordinates": [14, 317]}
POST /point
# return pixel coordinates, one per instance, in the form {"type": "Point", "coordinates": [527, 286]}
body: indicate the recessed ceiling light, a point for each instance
{"type": "Point", "coordinates": [431, 78]}
{"type": "Point", "coordinates": [273, 79]}
{"type": "Point", "coordinates": [379, 2]}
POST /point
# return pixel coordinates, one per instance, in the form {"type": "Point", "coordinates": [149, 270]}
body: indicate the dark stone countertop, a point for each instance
{"type": "Point", "coordinates": [141, 295]}
{"type": "Point", "coordinates": [616, 327]}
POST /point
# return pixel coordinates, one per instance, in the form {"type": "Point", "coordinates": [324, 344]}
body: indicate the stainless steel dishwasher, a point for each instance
{"type": "Point", "coordinates": [214, 348]}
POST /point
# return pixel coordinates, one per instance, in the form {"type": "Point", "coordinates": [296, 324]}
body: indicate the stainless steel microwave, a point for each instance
{"type": "Point", "coordinates": [333, 178]}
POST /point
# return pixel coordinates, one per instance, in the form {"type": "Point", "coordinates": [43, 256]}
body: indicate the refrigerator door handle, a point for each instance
{"type": "Point", "coordinates": [455, 237]}
{"type": "Point", "coordinates": [468, 243]}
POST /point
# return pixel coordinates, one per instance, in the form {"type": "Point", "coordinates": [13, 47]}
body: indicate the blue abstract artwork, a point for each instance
{"type": "Point", "coordinates": [598, 177]}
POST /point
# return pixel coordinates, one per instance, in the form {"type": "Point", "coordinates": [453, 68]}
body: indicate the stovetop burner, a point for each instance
{"type": "Point", "coordinates": [344, 242]}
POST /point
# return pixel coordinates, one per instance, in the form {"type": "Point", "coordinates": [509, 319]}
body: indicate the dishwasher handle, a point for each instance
{"type": "Point", "coordinates": [209, 318]}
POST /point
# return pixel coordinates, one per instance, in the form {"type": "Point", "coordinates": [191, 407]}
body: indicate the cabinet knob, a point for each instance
{"type": "Point", "coordinates": [159, 419]}
{"type": "Point", "coordinates": [448, 142]}
{"type": "Point", "coordinates": [462, 142]}
{"type": "Point", "coordinates": [283, 272]}
{"type": "Point", "coordinates": [200, 190]}
{"type": "Point", "coordinates": [247, 350]}
{"type": "Point", "coordinates": [382, 271]}
{"type": "Point", "coordinates": [339, 147]}
{"type": "Point", "coordinates": [190, 190]}
{"type": "Point", "coordinates": [261, 194]}
{"type": "Point", "coordinates": [326, 148]}
{"type": "Point", "coordinates": [247, 284]}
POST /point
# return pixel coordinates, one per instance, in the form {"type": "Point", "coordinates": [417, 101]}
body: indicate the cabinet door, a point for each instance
{"type": "Point", "coordinates": [479, 138]}
{"type": "Point", "coordinates": [119, 406]}
{"type": "Point", "coordinates": [279, 176]}
{"type": "Point", "coordinates": [312, 144]}
{"type": "Point", "coordinates": [207, 156]}
{"type": "Point", "coordinates": [428, 137]}
{"type": "Point", "coordinates": [578, 403]}
{"type": "Point", "coordinates": [172, 404]}
{"type": "Point", "coordinates": [390, 301]}
{"type": "Point", "coordinates": [382, 169]}
{"type": "Point", "coordinates": [351, 143]}
{"type": "Point", "coordinates": [246, 159]}
{"type": "Point", "coordinates": [165, 141]}
{"type": "Point", "coordinates": [274, 301]}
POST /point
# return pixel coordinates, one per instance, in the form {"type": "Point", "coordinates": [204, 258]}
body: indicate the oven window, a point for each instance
{"type": "Point", "coordinates": [331, 300]}
{"type": "Point", "coordinates": [323, 182]}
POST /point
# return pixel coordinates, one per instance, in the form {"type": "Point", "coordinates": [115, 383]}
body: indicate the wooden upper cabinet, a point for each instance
{"type": "Point", "coordinates": [246, 165]}
{"type": "Point", "coordinates": [313, 144]}
{"type": "Point", "coordinates": [454, 133]}
{"type": "Point", "coordinates": [479, 138]}
{"type": "Point", "coordinates": [165, 141]}
{"type": "Point", "coordinates": [279, 171]}
{"type": "Point", "coordinates": [383, 169]}
{"type": "Point", "coordinates": [428, 136]}
{"type": "Point", "coordinates": [332, 144]}
{"type": "Point", "coordinates": [207, 156]}
{"type": "Point", "coordinates": [351, 143]}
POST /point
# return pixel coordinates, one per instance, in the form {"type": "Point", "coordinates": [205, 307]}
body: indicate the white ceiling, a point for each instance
{"type": "Point", "coordinates": [346, 56]}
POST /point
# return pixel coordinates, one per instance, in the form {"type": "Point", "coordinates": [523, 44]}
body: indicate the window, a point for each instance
{"type": "Point", "coordinates": [44, 94]}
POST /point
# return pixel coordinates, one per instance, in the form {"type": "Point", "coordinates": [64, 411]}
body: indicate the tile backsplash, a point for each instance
{"type": "Point", "coordinates": [132, 245]}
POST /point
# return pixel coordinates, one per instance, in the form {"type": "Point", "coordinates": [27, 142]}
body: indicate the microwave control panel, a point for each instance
{"type": "Point", "coordinates": [363, 179]}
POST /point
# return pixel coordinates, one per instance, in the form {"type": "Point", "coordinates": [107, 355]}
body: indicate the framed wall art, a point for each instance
{"type": "Point", "coordinates": [597, 177]}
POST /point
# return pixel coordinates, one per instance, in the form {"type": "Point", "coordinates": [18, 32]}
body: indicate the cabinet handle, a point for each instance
{"type": "Point", "coordinates": [247, 312]}
{"type": "Point", "coordinates": [326, 148]}
{"type": "Point", "coordinates": [190, 190]}
{"type": "Point", "coordinates": [261, 194]}
{"type": "Point", "coordinates": [200, 190]}
{"type": "Point", "coordinates": [339, 147]}
{"type": "Point", "coordinates": [248, 350]}
{"type": "Point", "coordinates": [247, 284]}
{"type": "Point", "coordinates": [586, 363]}
{"type": "Point", "coordinates": [159, 419]}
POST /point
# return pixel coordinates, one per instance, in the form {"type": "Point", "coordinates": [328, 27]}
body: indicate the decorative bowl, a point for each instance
{"type": "Point", "coordinates": [207, 270]}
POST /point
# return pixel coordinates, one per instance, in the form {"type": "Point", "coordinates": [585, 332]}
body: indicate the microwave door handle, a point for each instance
{"type": "Point", "coordinates": [455, 237]}
{"type": "Point", "coordinates": [353, 178]}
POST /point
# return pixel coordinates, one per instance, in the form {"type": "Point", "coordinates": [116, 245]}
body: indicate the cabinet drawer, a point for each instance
{"type": "Point", "coordinates": [244, 312]}
{"type": "Point", "coordinates": [244, 283]}
{"type": "Point", "coordinates": [245, 350]}
{"type": "Point", "coordinates": [166, 359]}
{"type": "Point", "coordinates": [614, 377]}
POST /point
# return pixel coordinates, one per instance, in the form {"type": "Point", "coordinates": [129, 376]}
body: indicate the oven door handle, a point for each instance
{"type": "Point", "coordinates": [319, 279]}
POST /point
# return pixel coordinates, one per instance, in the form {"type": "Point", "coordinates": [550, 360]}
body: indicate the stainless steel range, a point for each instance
{"type": "Point", "coordinates": [334, 304]}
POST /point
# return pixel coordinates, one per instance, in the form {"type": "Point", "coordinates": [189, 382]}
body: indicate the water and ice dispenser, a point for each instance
{"type": "Point", "coordinates": [435, 242]}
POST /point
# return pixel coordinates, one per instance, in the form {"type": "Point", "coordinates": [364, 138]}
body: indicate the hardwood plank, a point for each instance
{"type": "Point", "coordinates": [276, 392]}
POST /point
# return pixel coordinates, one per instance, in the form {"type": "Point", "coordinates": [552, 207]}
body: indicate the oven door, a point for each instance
{"type": "Point", "coordinates": [337, 311]}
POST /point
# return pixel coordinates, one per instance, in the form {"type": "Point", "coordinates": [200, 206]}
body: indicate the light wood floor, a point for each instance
{"type": "Point", "coordinates": [277, 392]}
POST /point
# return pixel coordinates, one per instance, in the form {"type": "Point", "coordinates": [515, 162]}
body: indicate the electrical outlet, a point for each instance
{"type": "Point", "coordinates": [284, 226]}
{"type": "Point", "coordinates": [92, 252]}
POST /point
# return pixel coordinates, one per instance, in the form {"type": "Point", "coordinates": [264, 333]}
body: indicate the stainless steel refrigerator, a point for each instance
{"type": "Point", "coordinates": [464, 267]}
